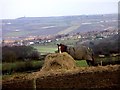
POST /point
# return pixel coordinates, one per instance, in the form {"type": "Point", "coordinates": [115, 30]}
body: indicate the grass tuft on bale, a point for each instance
{"type": "Point", "coordinates": [58, 61]}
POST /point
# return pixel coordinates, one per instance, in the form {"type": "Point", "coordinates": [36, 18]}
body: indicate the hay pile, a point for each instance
{"type": "Point", "coordinates": [57, 61]}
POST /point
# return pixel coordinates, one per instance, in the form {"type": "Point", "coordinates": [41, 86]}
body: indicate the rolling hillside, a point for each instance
{"type": "Point", "coordinates": [35, 26]}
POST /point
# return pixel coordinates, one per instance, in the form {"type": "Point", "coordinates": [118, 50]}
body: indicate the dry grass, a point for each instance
{"type": "Point", "coordinates": [85, 70]}
{"type": "Point", "coordinates": [57, 61]}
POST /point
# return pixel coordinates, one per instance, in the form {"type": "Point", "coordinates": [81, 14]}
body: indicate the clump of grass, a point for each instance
{"type": "Point", "coordinates": [81, 63]}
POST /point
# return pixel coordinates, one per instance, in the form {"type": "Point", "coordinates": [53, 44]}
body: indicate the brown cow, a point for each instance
{"type": "Point", "coordinates": [78, 52]}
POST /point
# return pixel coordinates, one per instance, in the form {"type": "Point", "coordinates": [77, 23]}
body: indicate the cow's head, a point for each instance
{"type": "Point", "coordinates": [62, 48]}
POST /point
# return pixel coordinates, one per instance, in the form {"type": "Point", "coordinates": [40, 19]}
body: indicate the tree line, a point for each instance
{"type": "Point", "coordinates": [106, 46]}
{"type": "Point", "coordinates": [19, 53]}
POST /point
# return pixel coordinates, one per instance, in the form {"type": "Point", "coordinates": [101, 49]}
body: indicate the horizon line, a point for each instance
{"type": "Point", "coordinates": [55, 16]}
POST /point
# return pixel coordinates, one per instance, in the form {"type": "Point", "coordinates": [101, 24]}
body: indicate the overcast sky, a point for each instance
{"type": "Point", "coordinates": [44, 8]}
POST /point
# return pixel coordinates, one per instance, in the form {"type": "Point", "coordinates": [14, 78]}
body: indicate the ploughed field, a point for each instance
{"type": "Point", "coordinates": [81, 77]}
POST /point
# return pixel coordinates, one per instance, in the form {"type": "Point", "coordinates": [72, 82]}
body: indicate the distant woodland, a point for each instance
{"type": "Point", "coordinates": [106, 46]}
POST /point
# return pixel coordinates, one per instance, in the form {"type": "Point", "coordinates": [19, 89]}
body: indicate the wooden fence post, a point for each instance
{"type": "Point", "coordinates": [101, 63]}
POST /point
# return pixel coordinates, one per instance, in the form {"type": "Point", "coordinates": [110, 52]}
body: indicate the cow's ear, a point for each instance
{"type": "Point", "coordinates": [58, 44]}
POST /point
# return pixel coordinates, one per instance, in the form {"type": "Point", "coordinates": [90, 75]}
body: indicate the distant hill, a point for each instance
{"type": "Point", "coordinates": [34, 26]}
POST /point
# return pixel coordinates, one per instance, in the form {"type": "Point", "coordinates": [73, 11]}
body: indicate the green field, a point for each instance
{"type": "Point", "coordinates": [46, 49]}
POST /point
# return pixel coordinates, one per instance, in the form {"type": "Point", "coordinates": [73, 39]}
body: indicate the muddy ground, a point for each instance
{"type": "Point", "coordinates": [81, 78]}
